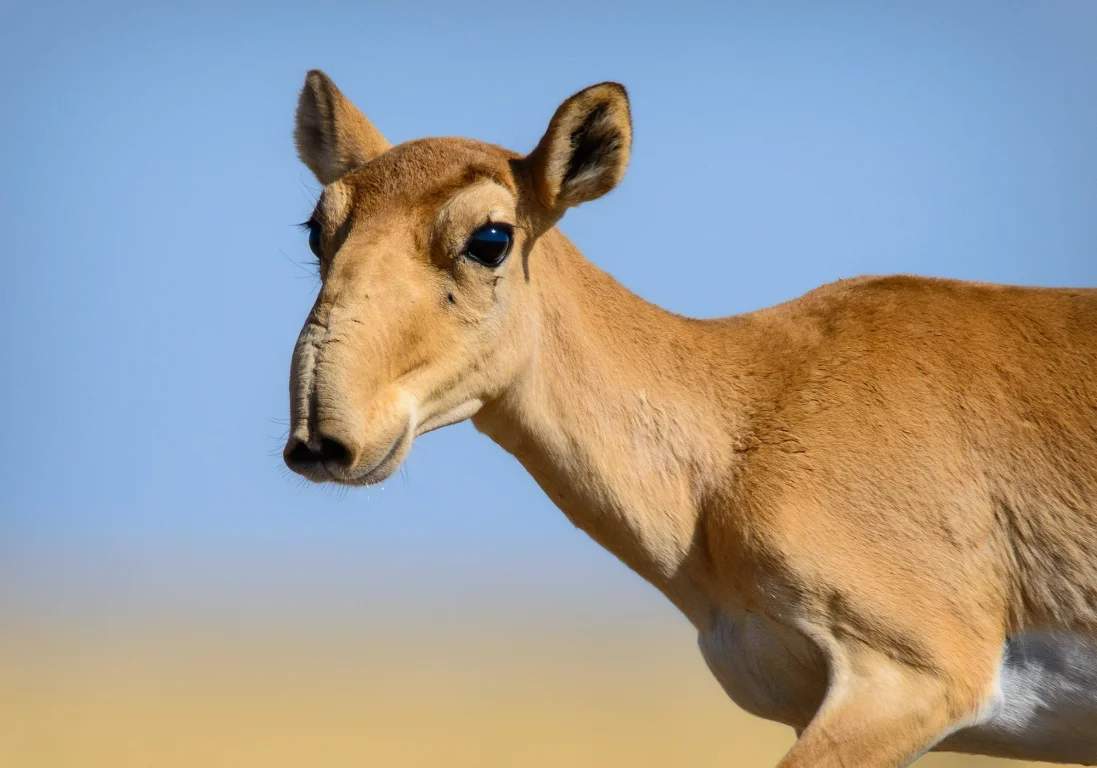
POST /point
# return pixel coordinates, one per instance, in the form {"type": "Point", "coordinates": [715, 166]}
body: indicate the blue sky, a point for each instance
{"type": "Point", "coordinates": [153, 285]}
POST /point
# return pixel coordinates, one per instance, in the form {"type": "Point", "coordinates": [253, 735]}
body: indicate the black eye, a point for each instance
{"type": "Point", "coordinates": [314, 240]}
{"type": "Point", "coordinates": [490, 244]}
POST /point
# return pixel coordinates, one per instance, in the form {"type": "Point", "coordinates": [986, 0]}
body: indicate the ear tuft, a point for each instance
{"type": "Point", "coordinates": [332, 135]}
{"type": "Point", "coordinates": [585, 150]}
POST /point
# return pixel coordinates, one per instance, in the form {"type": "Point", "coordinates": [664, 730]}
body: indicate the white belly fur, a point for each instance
{"type": "Point", "coordinates": [1045, 707]}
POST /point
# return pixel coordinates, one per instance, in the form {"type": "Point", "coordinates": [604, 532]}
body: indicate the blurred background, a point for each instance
{"type": "Point", "coordinates": [171, 595]}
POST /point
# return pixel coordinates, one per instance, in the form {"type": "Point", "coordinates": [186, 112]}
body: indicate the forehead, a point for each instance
{"type": "Point", "coordinates": [418, 175]}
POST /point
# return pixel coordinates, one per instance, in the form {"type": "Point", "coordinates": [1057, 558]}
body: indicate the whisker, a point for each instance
{"type": "Point", "coordinates": [309, 189]}
{"type": "Point", "coordinates": [311, 272]}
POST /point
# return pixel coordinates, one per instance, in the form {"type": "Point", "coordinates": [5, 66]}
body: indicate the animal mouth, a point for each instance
{"type": "Point", "coordinates": [380, 469]}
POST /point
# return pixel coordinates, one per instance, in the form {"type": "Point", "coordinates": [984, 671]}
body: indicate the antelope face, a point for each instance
{"type": "Point", "coordinates": [426, 310]}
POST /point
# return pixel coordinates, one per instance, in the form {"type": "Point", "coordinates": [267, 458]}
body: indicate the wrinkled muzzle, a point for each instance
{"type": "Point", "coordinates": [348, 422]}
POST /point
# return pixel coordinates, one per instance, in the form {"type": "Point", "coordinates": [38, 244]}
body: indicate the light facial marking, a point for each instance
{"type": "Point", "coordinates": [464, 213]}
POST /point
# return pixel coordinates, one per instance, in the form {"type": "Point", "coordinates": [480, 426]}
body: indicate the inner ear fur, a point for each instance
{"type": "Point", "coordinates": [332, 135]}
{"type": "Point", "coordinates": [585, 151]}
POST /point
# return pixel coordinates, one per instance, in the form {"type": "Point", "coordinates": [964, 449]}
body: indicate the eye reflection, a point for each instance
{"type": "Point", "coordinates": [490, 244]}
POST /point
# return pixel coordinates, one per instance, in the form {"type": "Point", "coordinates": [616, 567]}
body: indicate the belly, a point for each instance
{"type": "Point", "coordinates": [1046, 704]}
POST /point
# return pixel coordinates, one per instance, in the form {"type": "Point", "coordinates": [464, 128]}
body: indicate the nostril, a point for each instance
{"type": "Point", "coordinates": [300, 454]}
{"type": "Point", "coordinates": [333, 450]}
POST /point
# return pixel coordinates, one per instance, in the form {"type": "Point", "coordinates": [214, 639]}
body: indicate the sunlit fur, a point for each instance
{"type": "Point", "coordinates": [857, 497]}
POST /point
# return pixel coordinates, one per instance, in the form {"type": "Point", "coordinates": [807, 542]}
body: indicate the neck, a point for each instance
{"type": "Point", "coordinates": [621, 420]}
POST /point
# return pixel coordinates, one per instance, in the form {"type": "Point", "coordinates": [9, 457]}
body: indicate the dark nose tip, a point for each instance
{"type": "Point", "coordinates": [299, 455]}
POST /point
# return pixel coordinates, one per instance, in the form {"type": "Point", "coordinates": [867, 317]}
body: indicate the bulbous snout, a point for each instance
{"type": "Point", "coordinates": [344, 427]}
{"type": "Point", "coordinates": [352, 417]}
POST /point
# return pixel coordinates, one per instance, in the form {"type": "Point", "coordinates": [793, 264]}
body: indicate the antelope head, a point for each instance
{"type": "Point", "coordinates": [427, 309]}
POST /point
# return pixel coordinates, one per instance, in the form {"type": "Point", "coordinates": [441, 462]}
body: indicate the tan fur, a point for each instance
{"type": "Point", "coordinates": [901, 470]}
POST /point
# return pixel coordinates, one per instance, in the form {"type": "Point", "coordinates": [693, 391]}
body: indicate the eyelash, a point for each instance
{"type": "Point", "coordinates": [312, 227]}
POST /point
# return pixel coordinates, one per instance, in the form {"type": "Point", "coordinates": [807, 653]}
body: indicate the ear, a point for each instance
{"type": "Point", "coordinates": [585, 150]}
{"type": "Point", "coordinates": [332, 135]}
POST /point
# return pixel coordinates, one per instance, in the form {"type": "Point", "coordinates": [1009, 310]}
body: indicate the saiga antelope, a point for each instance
{"type": "Point", "coordinates": [877, 503]}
